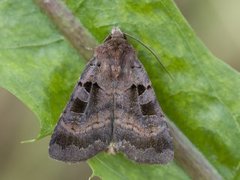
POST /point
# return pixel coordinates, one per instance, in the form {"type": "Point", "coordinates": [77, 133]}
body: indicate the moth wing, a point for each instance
{"type": "Point", "coordinates": [140, 130]}
{"type": "Point", "coordinates": [85, 127]}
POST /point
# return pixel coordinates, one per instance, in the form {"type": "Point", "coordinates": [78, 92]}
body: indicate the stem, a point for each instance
{"type": "Point", "coordinates": [69, 26]}
{"type": "Point", "coordinates": [189, 158]}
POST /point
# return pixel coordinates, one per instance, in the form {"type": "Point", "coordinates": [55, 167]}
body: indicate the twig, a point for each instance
{"type": "Point", "coordinates": [70, 27]}
{"type": "Point", "coordinates": [189, 158]}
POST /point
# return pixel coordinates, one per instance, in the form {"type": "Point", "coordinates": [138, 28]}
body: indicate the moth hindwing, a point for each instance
{"type": "Point", "coordinates": [113, 104]}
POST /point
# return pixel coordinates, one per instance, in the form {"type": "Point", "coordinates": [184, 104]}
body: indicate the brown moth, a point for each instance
{"type": "Point", "coordinates": [113, 106]}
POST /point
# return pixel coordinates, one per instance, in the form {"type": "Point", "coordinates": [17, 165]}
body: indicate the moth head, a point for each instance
{"type": "Point", "coordinates": [115, 34]}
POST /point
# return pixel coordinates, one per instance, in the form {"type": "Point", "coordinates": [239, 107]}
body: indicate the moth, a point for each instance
{"type": "Point", "coordinates": [113, 106]}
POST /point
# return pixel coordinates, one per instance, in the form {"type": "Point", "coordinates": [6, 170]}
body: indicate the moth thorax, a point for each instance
{"type": "Point", "coordinates": [115, 70]}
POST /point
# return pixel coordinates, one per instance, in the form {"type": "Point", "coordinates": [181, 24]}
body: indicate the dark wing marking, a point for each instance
{"type": "Point", "coordinates": [85, 126]}
{"type": "Point", "coordinates": [140, 130]}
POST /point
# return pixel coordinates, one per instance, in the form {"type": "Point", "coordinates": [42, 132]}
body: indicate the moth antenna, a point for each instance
{"type": "Point", "coordinates": [152, 52]}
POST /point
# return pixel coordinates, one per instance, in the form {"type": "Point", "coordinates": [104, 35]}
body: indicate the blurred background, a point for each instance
{"type": "Point", "coordinates": [217, 24]}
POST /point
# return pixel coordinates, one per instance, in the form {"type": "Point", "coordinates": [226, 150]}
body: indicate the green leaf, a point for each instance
{"type": "Point", "coordinates": [117, 167]}
{"type": "Point", "coordinates": [39, 67]}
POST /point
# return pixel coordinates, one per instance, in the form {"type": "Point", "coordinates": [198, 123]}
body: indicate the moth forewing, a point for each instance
{"type": "Point", "coordinates": [113, 103]}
